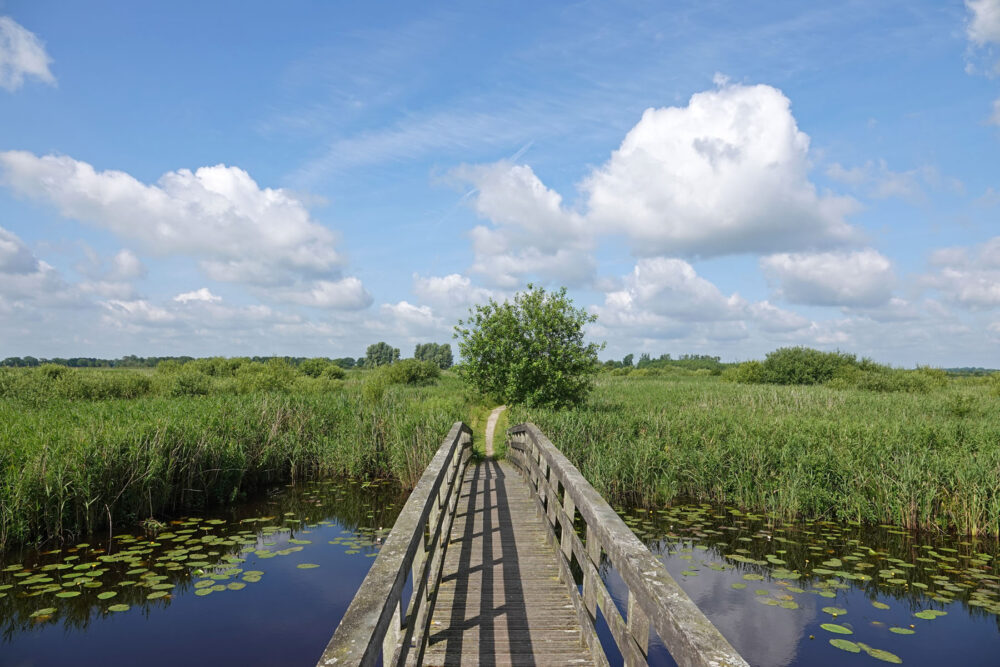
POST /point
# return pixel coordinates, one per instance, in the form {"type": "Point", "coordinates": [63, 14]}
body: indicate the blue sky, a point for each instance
{"type": "Point", "coordinates": [707, 177]}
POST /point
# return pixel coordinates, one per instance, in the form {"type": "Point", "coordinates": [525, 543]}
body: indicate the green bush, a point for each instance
{"type": "Point", "coordinates": [803, 365]}
{"type": "Point", "coordinates": [411, 372]}
{"type": "Point", "coordinates": [189, 382]}
{"type": "Point", "coordinates": [749, 372]}
{"type": "Point", "coordinates": [274, 375]}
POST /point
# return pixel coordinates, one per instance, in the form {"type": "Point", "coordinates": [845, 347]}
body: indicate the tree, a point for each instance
{"type": "Point", "coordinates": [530, 351]}
{"type": "Point", "coordinates": [627, 361]}
{"type": "Point", "coordinates": [438, 354]}
{"type": "Point", "coordinates": [380, 354]}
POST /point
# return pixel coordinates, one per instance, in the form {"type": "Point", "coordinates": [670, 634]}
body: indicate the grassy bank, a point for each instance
{"type": "Point", "coordinates": [921, 460]}
{"type": "Point", "coordinates": [74, 465]}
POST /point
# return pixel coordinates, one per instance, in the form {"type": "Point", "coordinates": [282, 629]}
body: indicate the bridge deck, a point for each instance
{"type": "Point", "coordinates": [500, 600]}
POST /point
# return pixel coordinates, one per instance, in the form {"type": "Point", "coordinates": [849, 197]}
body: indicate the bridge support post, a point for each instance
{"type": "Point", "coordinates": [638, 625]}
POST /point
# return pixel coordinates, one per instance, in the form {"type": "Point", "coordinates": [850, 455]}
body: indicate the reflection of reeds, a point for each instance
{"type": "Point", "coordinates": [359, 508]}
{"type": "Point", "coordinates": [69, 466]}
{"type": "Point", "coordinates": [911, 460]}
{"type": "Point", "coordinates": [806, 545]}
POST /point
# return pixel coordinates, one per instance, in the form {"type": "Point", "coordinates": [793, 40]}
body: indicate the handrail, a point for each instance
{"type": "Point", "coordinates": [654, 597]}
{"type": "Point", "coordinates": [377, 622]}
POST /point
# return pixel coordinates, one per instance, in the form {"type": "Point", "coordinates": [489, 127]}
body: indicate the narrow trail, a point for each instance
{"type": "Point", "coordinates": [491, 426]}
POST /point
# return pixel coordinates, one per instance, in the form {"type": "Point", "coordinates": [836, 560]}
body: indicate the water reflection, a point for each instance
{"type": "Point", "coordinates": [285, 566]}
{"type": "Point", "coordinates": [770, 586]}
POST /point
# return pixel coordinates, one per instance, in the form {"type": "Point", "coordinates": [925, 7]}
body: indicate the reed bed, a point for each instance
{"type": "Point", "coordinates": [918, 460]}
{"type": "Point", "coordinates": [74, 466]}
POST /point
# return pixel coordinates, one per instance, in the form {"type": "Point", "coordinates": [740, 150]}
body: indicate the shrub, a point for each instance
{"type": "Point", "coordinates": [314, 367]}
{"type": "Point", "coordinates": [412, 372]}
{"type": "Point", "coordinates": [530, 351]}
{"type": "Point", "coordinates": [803, 365]}
{"type": "Point", "coordinates": [189, 382]}
{"type": "Point", "coordinates": [749, 372]}
{"type": "Point", "coordinates": [274, 375]}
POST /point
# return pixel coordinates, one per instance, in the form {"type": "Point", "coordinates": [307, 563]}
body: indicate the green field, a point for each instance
{"type": "Point", "coordinates": [73, 465]}
{"type": "Point", "coordinates": [81, 449]}
{"type": "Point", "coordinates": [928, 459]}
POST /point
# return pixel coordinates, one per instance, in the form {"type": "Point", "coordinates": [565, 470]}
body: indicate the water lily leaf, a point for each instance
{"type": "Point", "coordinates": [753, 577]}
{"type": "Point", "coordinates": [879, 605]}
{"type": "Point", "coordinates": [67, 594]}
{"type": "Point", "coordinates": [839, 629]}
{"type": "Point", "coordinates": [739, 585]}
{"type": "Point", "coordinates": [835, 611]}
{"type": "Point", "coordinates": [203, 591]}
{"type": "Point", "coordinates": [306, 566]}
{"type": "Point", "coordinates": [106, 595]}
{"type": "Point", "coordinates": [846, 645]}
{"type": "Point", "coordinates": [47, 611]}
{"type": "Point", "coordinates": [235, 586]}
{"type": "Point", "coordinates": [156, 595]}
{"type": "Point", "coordinates": [901, 631]}
{"type": "Point", "coordinates": [118, 607]}
{"type": "Point", "coordinates": [884, 656]}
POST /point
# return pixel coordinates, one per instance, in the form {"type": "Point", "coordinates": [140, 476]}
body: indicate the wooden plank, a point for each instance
{"type": "Point", "coordinates": [502, 599]}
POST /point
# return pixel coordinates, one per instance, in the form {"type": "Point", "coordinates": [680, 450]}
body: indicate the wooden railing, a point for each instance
{"type": "Point", "coordinates": [378, 622]}
{"type": "Point", "coordinates": [654, 597]}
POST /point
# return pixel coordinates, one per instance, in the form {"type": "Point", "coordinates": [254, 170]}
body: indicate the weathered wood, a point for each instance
{"type": "Point", "coordinates": [503, 597]}
{"type": "Point", "coordinates": [685, 631]}
{"type": "Point", "coordinates": [370, 618]}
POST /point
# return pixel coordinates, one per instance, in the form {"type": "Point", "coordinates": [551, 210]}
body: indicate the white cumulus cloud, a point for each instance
{"type": "Point", "coordinates": [858, 278]}
{"type": "Point", "coordinates": [984, 23]}
{"type": "Point", "coordinates": [532, 232]}
{"type": "Point", "coordinates": [203, 294]}
{"type": "Point", "coordinates": [728, 173]}
{"type": "Point", "coordinates": [22, 55]}
{"type": "Point", "coordinates": [240, 231]}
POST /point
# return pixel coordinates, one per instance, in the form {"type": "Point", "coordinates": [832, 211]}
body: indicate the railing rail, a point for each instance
{"type": "Point", "coordinates": [378, 622]}
{"type": "Point", "coordinates": [654, 597]}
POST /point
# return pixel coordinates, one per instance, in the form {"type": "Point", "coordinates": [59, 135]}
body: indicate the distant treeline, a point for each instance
{"type": "Point", "coordinates": [132, 361]}
{"type": "Point", "coordinates": [377, 354]}
{"type": "Point", "coordinates": [690, 362]}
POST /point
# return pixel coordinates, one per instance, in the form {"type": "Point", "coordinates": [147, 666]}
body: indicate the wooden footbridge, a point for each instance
{"type": "Point", "coordinates": [483, 564]}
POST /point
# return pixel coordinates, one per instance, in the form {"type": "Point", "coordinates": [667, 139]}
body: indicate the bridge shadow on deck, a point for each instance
{"type": "Point", "coordinates": [488, 524]}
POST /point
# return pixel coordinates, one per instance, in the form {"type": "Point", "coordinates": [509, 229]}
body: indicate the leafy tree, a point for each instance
{"type": "Point", "coordinates": [530, 351]}
{"type": "Point", "coordinates": [438, 354]}
{"type": "Point", "coordinates": [627, 361]}
{"type": "Point", "coordinates": [380, 354]}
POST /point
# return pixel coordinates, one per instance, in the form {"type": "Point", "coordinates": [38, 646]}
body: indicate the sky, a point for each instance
{"type": "Point", "coordinates": [307, 178]}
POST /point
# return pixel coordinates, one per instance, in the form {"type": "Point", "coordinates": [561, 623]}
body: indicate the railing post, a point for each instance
{"type": "Point", "coordinates": [392, 635]}
{"type": "Point", "coordinates": [638, 624]}
{"type": "Point", "coordinates": [593, 547]}
{"type": "Point", "coordinates": [569, 507]}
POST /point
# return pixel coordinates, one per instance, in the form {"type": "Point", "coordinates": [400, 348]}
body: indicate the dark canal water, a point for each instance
{"type": "Point", "coordinates": [781, 593]}
{"type": "Point", "coordinates": [267, 583]}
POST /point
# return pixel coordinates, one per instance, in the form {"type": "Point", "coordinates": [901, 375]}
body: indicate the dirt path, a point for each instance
{"type": "Point", "coordinates": [491, 426]}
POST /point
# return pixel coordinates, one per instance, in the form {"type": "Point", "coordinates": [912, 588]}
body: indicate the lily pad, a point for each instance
{"type": "Point", "coordinates": [739, 585]}
{"type": "Point", "coordinates": [839, 629]}
{"type": "Point", "coordinates": [106, 595]}
{"type": "Point", "coordinates": [835, 611]}
{"type": "Point", "coordinates": [47, 611]}
{"type": "Point", "coordinates": [203, 591]}
{"type": "Point", "coordinates": [846, 645]}
{"type": "Point", "coordinates": [879, 605]}
{"type": "Point", "coordinates": [156, 595]}
{"type": "Point", "coordinates": [67, 594]}
{"type": "Point", "coordinates": [306, 566]}
{"type": "Point", "coordinates": [118, 607]}
{"type": "Point", "coordinates": [901, 631]}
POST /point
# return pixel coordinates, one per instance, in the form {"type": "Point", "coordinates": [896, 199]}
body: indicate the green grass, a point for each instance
{"type": "Point", "coordinates": [75, 465]}
{"type": "Point", "coordinates": [919, 460]}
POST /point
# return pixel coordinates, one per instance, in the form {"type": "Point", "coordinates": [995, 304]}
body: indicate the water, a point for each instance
{"type": "Point", "coordinates": [282, 614]}
{"type": "Point", "coordinates": [269, 610]}
{"type": "Point", "coordinates": [873, 578]}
